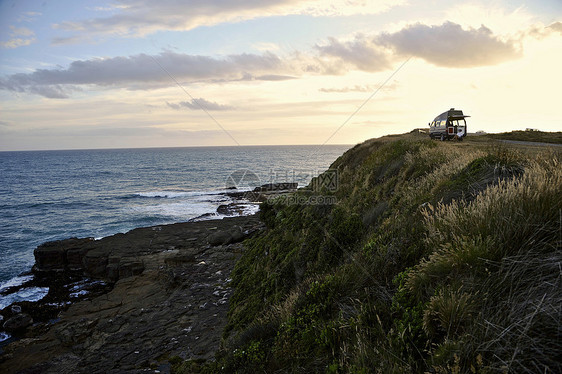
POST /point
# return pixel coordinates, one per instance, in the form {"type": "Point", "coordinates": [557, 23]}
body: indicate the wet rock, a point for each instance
{"type": "Point", "coordinates": [232, 209]}
{"type": "Point", "coordinates": [48, 258]}
{"type": "Point", "coordinates": [219, 238]}
{"type": "Point", "coordinates": [74, 258]}
{"type": "Point", "coordinates": [53, 256]}
{"type": "Point", "coordinates": [224, 209]}
{"type": "Point", "coordinates": [285, 186]}
{"type": "Point", "coordinates": [237, 234]}
{"type": "Point", "coordinates": [18, 322]}
{"type": "Point", "coordinates": [112, 272]}
{"type": "Point", "coordinates": [74, 333]}
{"type": "Point", "coordinates": [233, 235]}
{"type": "Point", "coordinates": [180, 258]}
{"type": "Point", "coordinates": [95, 263]}
{"type": "Point", "coordinates": [130, 267]}
{"type": "Point", "coordinates": [163, 302]}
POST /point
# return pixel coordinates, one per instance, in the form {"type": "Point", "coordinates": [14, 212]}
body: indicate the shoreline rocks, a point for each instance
{"type": "Point", "coordinates": [60, 255]}
{"type": "Point", "coordinates": [164, 292]}
{"type": "Point", "coordinates": [262, 193]}
{"type": "Point", "coordinates": [277, 187]}
{"type": "Point", "coordinates": [18, 322]}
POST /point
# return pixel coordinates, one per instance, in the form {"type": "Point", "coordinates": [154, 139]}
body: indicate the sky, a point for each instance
{"type": "Point", "coordinates": [169, 73]}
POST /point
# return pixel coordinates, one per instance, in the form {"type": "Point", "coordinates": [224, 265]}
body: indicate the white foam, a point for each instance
{"type": "Point", "coordinates": [79, 293]}
{"type": "Point", "coordinates": [4, 336]}
{"type": "Point", "coordinates": [191, 205]}
{"type": "Point", "coordinates": [180, 194]}
{"type": "Point", "coordinates": [180, 210]}
{"type": "Point", "coordinates": [185, 208]}
{"type": "Point", "coordinates": [62, 303]}
{"type": "Point", "coordinates": [250, 209]}
{"type": "Point", "coordinates": [25, 294]}
{"type": "Point", "coordinates": [247, 210]}
{"type": "Point", "coordinates": [166, 194]}
{"type": "Point", "coordinates": [80, 285]}
{"type": "Point", "coordinates": [207, 217]}
{"type": "Point", "coordinates": [15, 281]}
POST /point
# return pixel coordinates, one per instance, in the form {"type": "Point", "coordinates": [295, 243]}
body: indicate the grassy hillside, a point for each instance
{"type": "Point", "coordinates": [436, 257]}
{"type": "Point", "coordinates": [529, 136]}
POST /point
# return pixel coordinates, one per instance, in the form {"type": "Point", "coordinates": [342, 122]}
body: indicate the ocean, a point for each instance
{"type": "Point", "coordinates": [51, 195]}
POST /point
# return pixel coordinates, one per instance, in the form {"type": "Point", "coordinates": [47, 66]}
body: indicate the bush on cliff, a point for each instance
{"type": "Point", "coordinates": [437, 257]}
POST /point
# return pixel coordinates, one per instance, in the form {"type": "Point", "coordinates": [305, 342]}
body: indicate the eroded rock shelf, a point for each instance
{"type": "Point", "coordinates": [166, 294]}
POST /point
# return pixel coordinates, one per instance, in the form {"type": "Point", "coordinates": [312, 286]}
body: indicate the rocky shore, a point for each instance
{"type": "Point", "coordinates": [127, 303]}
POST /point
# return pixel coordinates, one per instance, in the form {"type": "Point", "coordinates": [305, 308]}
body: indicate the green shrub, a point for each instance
{"type": "Point", "coordinates": [438, 257]}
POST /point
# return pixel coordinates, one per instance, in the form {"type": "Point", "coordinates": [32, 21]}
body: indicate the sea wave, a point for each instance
{"type": "Point", "coordinates": [163, 194]}
{"type": "Point", "coordinates": [15, 281]}
{"type": "Point", "coordinates": [177, 210]}
{"type": "Point", "coordinates": [182, 205]}
{"type": "Point", "coordinates": [25, 294]}
{"type": "Point", "coordinates": [166, 194]}
{"type": "Point", "coordinates": [244, 209]}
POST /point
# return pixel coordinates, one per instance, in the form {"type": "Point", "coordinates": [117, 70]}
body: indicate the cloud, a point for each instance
{"type": "Point", "coordinates": [145, 71]}
{"type": "Point", "coordinates": [134, 18]}
{"type": "Point", "coordinates": [539, 31]}
{"type": "Point", "coordinates": [16, 42]}
{"type": "Point", "coordinates": [142, 17]}
{"type": "Point", "coordinates": [355, 88]}
{"type": "Point", "coordinates": [55, 91]}
{"type": "Point", "coordinates": [361, 53]}
{"type": "Point", "coordinates": [22, 31]}
{"type": "Point", "coordinates": [19, 37]}
{"type": "Point", "coordinates": [199, 104]}
{"type": "Point", "coordinates": [392, 86]}
{"type": "Point", "coordinates": [450, 45]}
{"type": "Point", "coordinates": [274, 77]}
{"type": "Point", "coordinates": [556, 26]}
{"type": "Point", "coordinates": [28, 16]}
{"type": "Point", "coordinates": [376, 123]}
{"type": "Point", "coordinates": [61, 40]}
{"type": "Point", "coordinates": [447, 45]}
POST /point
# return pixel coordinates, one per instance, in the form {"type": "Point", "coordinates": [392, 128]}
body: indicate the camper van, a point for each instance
{"type": "Point", "coordinates": [448, 125]}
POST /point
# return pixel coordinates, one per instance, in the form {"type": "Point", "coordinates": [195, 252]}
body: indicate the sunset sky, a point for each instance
{"type": "Point", "coordinates": [138, 73]}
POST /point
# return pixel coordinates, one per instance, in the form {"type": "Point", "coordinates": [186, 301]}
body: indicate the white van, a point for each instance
{"type": "Point", "coordinates": [448, 125]}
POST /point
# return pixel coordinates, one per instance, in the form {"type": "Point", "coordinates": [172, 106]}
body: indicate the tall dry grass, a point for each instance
{"type": "Point", "coordinates": [482, 228]}
{"type": "Point", "coordinates": [493, 281]}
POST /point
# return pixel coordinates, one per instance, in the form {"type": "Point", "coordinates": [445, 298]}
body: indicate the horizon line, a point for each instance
{"type": "Point", "coordinates": [173, 147]}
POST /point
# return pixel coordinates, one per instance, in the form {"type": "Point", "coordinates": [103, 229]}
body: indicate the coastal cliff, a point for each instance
{"type": "Point", "coordinates": [408, 255]}
{"type": "Point", "coordinates": [426, 256]}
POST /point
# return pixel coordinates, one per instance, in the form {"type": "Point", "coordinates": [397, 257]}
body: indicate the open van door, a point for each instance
{"type": "Point", "coordinates": [448, 125]}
